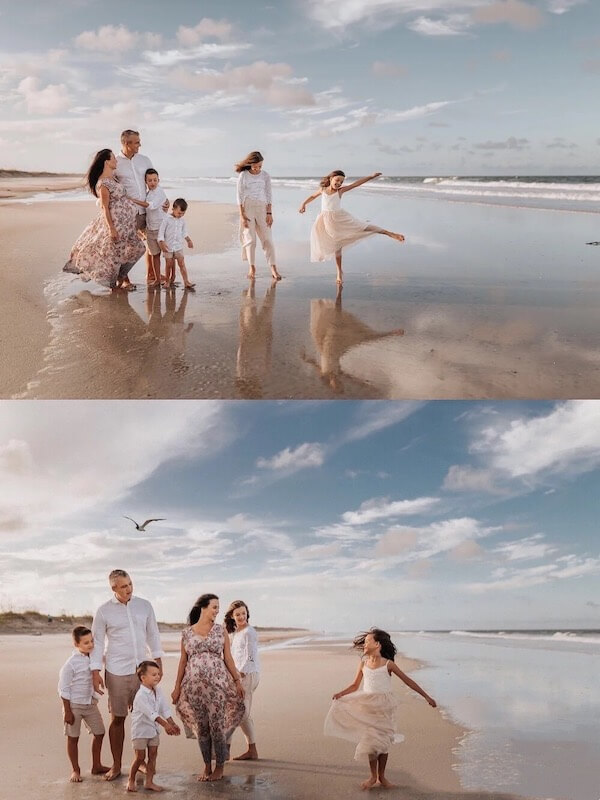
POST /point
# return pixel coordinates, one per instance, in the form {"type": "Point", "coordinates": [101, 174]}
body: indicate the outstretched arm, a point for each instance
{"type": "Point", "coordinates": [308, 200]}
{"type": "Point", "coordinates": [137, 202]}
{"type": "Point", "coordinates": [353, 686]}
{"type": "Point", "coordinates": [410, 683]}
{"type": "Point", "coordinates": [359, 182]}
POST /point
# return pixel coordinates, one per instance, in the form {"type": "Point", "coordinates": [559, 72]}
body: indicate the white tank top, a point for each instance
{"type": "Point", "coordinates": [330, 202]}
{"type": "Point", "coordinates": [376, 681]}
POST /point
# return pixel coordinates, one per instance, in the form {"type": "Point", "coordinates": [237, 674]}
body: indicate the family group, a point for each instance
{"type": "Point", "coordinates": [134, 220]}
{"type": "Point", "coordinates": [217, 675]}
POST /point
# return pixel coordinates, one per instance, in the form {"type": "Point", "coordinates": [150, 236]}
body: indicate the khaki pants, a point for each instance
{"type": "Point", "coordinates": [257, 225]}
{"type": "Point", "coordinates": [249, 682]}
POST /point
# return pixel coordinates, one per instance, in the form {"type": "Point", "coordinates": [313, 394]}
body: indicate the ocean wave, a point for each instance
{"type": "Point", "coordinates": [537, 636]}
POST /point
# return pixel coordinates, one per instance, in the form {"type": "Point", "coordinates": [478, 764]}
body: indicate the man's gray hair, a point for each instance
{"type": "Point", "coordinates": [117, 573]}
{"type": "Point", "coordinates": [126, 134]}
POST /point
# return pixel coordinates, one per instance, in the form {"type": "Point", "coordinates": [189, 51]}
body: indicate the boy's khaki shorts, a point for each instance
{"type": "Point", "coordinates": [142, 744]}
{"type": "Point", "coordinates": [121, 691]}
{"type": "Point", "coordinates": [176, 254]}
{"type": "Point", "coordinates": [152, 242]}
{"type": "Point", "coordinates": [91, 716]}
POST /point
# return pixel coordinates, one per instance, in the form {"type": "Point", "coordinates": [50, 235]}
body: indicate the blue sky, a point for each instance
{"type": "Point", "coordinates": [406, 87]}
{"type": "Point", "coordinates": [331, 515]}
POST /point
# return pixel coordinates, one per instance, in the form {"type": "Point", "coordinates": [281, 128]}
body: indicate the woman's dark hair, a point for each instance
{"type": "Point", "coordinates": [96, 169]}
{"type": "Point", "coordinates": [229, 620]}
{"type": "Point", "coordinates": [252, 158]}
{"type": "Point", "coordinates": [327, 179]}
{"type": "Point", "coordinates": [201, 602]}
{"type": "Point", "coordinates": [388, 648]}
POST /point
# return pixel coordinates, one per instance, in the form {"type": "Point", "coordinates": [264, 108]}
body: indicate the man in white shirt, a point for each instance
{"type": "Point", "coordinates": [123, 628]}
{"type": "Point", "coordinates": [131, 171]}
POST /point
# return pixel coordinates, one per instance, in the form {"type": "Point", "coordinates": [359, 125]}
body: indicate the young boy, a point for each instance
{"type": "Point", "coordinates": [154, 204]}
{"type": "Point", "coordinates": [150, 709]}
{"type": "Point", "coordinates": [171, 236]}
{"type": "Point", "coordinates": [80, 703]}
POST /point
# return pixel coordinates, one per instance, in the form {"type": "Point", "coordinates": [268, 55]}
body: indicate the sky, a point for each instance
{"type": "Point", "coordinates": [334, 516]}
{"type": "Point", "coordinates": [404, 87]}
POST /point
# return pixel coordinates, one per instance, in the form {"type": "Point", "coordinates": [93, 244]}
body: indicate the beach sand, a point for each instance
{"type": "Point", "coordinates": [16, 186]}
{"type": "Point", "coordinates": [297, 761]}
{"type": "Point", "coordinates": [481, 302]}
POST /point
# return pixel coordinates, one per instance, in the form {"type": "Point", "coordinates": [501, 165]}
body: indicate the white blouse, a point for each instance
{"type": "Point", "coordinates": [254, 187]}
{"type": "Point", "coordinates": [244, 649]}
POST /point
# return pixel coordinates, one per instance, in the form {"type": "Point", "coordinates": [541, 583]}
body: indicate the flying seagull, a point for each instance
{"type": "Point", "coordinates": [143, 527]}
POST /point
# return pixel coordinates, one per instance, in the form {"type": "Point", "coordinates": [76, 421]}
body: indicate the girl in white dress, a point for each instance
{"type": "Point", "coordinates": [244, 649]}
{"type": "Point", "coordinates": [256, 212]}
{"type": "Point", "coordinates": [334, 228]}
{"type": "Point", "coordinates": [368, 717]}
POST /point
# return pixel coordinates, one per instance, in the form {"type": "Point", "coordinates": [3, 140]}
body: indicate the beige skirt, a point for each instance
{"type": "Point", "coordinates": [334, 230]}
{"type": "Point", "coordinates": [367, 719]}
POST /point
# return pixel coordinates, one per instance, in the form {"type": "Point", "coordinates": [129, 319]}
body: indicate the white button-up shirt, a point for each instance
{"type": "Point", "coordinates": [172, 232]}
{"type": "Point", "coordinates": [75, 679]}
{"type": "Point", "coordinates": [126, 631]}
{"type": "Point", "coordinates": [154, 213]}
{"type": "Point", "coordinates": [255, 187]}
{"type": "Point", "coordinates": [244, 649]}
{"type": "Point", "coordinates": [148, 704]}
{"type": "Point", "coordinates": [131, 173]}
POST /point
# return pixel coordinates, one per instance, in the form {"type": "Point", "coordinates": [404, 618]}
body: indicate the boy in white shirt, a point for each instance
{"type": "Point", "coordinates": [154, 204]}
{"type": "Point", "coordinates": [150, 709]}
{"type": "Point", "coordinates": [171, 236]}
{"type": "Point", "coordinates": [80, 702]}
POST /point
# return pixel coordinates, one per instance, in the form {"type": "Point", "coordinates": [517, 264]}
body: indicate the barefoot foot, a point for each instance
{"type": "Point", "coordinates": [274, 274]}
{"type": "Point", "coordinates": [217, 773]}
{"type": "Point", "coordinates": [75, 777]}
{"type": "Point", "coordinates": [131, 787]}
{"type": "Point", "coordinates": [251, 273]}
{"type": "Point", "coordinates": [385, 784]}
{"type": "Point", "coordinates": [368, 784]}
{"type": "Point", "coordinates": [206, 774]}
{"type": "Point", "coordinates": [112, 774]}
{"type": "Point", "coordinates": [100, 770]}
{"type": "Point", "coordinates": [153, 787]}
{"type": "Point", "coordinates": [190, 287]}
{"type": "Point", "coordinates": [249, 755]}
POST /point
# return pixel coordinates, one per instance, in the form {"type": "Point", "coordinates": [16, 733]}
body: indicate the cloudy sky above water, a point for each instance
{"type": "Point", "coordinates": [332, 515]}
{"type": "Point", "coordinates": [407, 87]}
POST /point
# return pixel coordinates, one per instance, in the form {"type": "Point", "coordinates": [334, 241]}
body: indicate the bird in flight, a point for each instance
{"type": "Point", "coordinates": [148, 521]}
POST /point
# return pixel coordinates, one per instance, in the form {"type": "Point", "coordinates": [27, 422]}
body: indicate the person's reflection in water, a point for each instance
{"type": "Point", "coordinates": [256, 337]}
{"type": "Point", "coordinates": [334, 332]}
{"type": "Point", "coordinates": [170, 325]}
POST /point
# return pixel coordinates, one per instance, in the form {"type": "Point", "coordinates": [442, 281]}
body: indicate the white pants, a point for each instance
{"type": "Point", "coordinates": [257, 224]}
{"type": "Point", "coordinates": [249, 682]}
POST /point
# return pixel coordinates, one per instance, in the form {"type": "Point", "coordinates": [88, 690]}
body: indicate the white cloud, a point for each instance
{"type": "Point", "coordinates": [338, 14]}
{"type": "Point", "coordinates": [382, 508]}
{"type": "Point", "coordinates": [207, 28]}
{"type": "Point", "coordinates": [562, 6]}
{"type": "Point", "coordinates": [562, 569]}
{"type": "Point", "coordinates": [453, 25]}
{"type": "Point", "coordinates": [309, 454]}
{"type": "Point", "coordinates": [527, 549]}
{"type": "Point", "coordinates": [395, 546]}
{"type": "Point", "coordinates": [566, 440]}
{"type": "Point", "coordinates": [50, 99]}
{"type": "Point", "coordinates": [203, 52]}
{"type": "Point", "coordinates": [463, 478]}
{"type": "Point", "coordinates": [115, 39]}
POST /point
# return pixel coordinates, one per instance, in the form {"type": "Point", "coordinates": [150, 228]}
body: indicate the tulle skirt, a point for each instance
{"type": "Point", "coordinates": [334, 230]}
{"type": "Point", "coordinates": [367, 719]}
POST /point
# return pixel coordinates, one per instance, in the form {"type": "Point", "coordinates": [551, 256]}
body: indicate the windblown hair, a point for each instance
{"type": "Point", "coordinates": [117, 573]}
{"type": "Point", "coordinates": [144, 667]}
{"type": "Point", "coordinates": [180, 203]}
{"type": "Point", "coordinates": [78, 632]}
{"type": "Point", "coordinates": [388, 648]}
{"type": "Point", "coordinates": [229, 620]}
{"type": "Point", "coordinates": [324, 183]}
{"type": "Point", "coordinates": [126, 134]}
{"type": "Point", "coordinates": [252, 158]}
{"type": "Point", "coordinates": [201, 602]}
{"type": "Point", "coordinates": [96, 169]}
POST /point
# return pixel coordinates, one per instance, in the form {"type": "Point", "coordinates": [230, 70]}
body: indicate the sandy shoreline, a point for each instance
{"type": "Point", "coordinates": [290, 705]}
{"type": "Point", "coordinates": [15, 187]}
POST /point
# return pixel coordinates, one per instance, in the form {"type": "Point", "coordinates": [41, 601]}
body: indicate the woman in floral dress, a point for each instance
{"type": "Point", "coordinates": [208, 691]}
{"type": "Point", "coordinates": [109, 246]}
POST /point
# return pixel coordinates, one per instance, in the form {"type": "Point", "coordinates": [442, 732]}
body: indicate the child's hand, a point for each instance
{"type": "Point", "coordinates": [302, 209]}
{"type": "Point", "coordinates": [190, 244]}
{"type": "Point", "coordinates": [69, 717]}
{"type": "Point", "coordinates": [376, 174]}
{"type": "Point", "coordinates": [337, 696]}
{"type": "Point", "coordinates": [431, 702]}
{"type": "Point", "coordinates": [165, 205]}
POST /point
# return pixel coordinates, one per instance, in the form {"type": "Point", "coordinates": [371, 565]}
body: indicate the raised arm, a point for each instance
{"type": "Point", "coordinates": [180, 673]}
{"type": "Point", "coordinates": [410, 683]}
{"type": "Point", "coordinates": [359, 182]}
{"type": "Point", "coordinates": [353, 686]}
{"type": "Point", "coordinates": [308, 200]}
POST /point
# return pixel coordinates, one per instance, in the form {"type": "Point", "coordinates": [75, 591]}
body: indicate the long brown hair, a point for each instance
{"type": "Point", "coordinates": [324, 183]}
{"type": "Point", "coordinates": [228, 618]}
{"type": "Point", "coordinates": [97, 168]}
{"type": "Point", "coordinates": [252, 158]}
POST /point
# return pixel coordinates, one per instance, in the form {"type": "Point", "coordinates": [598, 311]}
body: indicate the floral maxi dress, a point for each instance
{"type": "Point", "coordinates": [95, 256]}
{"type": "Point", "coordinates": [208, 704]}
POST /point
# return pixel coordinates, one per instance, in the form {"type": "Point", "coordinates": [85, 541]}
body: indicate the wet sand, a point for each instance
{"type": "Point", "coordinates": [429, 319]}
{"type": "Point", "coordinates": [16, 186]}
{"type": "Point", "coordinates": [297, 761]}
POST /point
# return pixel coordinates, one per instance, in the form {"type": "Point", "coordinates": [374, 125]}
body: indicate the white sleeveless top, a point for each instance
{"type": "Point", "coordinates": [330, 202]}
{"type": "Point", "coordinates": [376, 681]}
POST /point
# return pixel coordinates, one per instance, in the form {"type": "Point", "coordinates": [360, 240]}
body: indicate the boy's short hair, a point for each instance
{"type": "Point", "coordinates": [150, 171]}
{"type": "Point", "coordinates": [180, 203]}
{"type": "Point", "coordinates": [144, 667]}
{"type": "Point", "coordinates": [78, 632]}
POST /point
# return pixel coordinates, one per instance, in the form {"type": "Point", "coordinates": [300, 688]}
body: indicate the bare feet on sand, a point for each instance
{"type": "Point", "coordinates": [206, 774]}
{"type": "Point", "coordinates": [368, 784]}
{"type": "Point", "coordinates": [251, 272]}
{"type": "Point", "coordinates": [112, 774]}
{"type": "Point", "coordinates": [131, 787]}
{"type": "Point", "coordinates": [75, 777]}
{"type": "Point", "coordinates": [153, 787]}
{"type": "Point", "coordinates": [100, 770]}
{"type": "Point", "coordinates": [385, 784]}
{"type": "Point", "coordinates": [251, 754]}
{"type": "Point", "coordinates": [274, 274]}
{"type": "Point", "coordinates": [190, 287]}
{"type": "Point", "coordinates": [217, 774]}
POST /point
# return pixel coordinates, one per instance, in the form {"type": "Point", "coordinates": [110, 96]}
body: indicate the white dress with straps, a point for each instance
{"type": "Point", "coordinates": [335, 229]}
{"type": "Point", "coordinates": [367, 717]}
